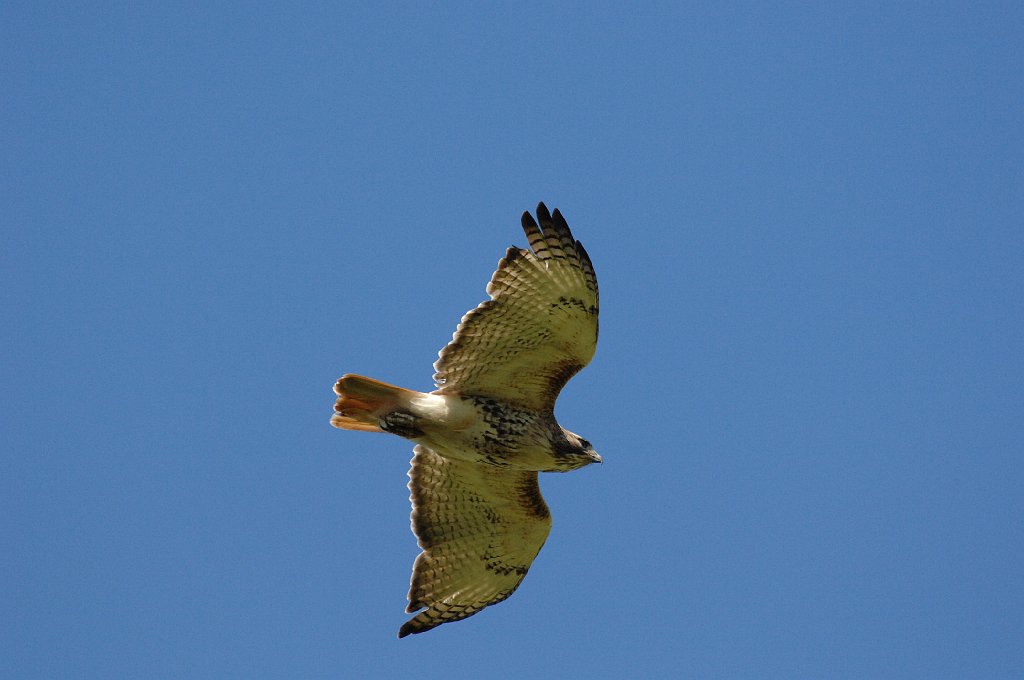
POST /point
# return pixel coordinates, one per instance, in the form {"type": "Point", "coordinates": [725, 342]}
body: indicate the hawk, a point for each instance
{"type": "Point", "coordinates": [487, 430]}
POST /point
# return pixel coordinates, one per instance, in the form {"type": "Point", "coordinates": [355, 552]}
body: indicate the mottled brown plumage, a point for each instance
{"type": "Point", "coordinates": [485, 432]}
{"type": "Point", "coordinates": [539, 327]}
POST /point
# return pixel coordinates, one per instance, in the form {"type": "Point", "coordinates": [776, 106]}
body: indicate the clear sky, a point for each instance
{"type": "Point", "coordinates": [808, 225]}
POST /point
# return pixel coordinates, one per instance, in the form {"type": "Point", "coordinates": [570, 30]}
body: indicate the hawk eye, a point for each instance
{"type": "Point", "coordinates": [584, 443]}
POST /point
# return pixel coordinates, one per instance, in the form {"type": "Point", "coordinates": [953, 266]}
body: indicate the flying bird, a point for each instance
{"type": "Point", "coordinates": [483, 435]}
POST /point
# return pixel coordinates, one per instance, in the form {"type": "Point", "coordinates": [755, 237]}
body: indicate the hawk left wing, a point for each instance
{"type": "Point", "coordinates": [480, 528]}
{"type": "Point", "coordinates": [538, 329]}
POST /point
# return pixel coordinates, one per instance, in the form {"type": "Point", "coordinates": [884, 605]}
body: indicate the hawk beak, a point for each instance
{"type": "Point", "coordinates": [594, 457]}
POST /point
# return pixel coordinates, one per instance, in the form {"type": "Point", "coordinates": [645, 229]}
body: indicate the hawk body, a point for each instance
{"type": "Point", "coordinates": [487, 430]}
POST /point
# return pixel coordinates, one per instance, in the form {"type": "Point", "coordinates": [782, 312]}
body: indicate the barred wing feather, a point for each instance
{"type": "Point", "coordinates": [538, 329]}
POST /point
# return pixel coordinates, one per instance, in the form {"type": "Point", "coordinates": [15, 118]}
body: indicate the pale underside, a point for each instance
{"type": "Point", "coordinates": [481, 526]}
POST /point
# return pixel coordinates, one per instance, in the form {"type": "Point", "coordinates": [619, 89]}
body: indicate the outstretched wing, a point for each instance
{"type": "Point", "coordinates": [539, 327]}
{"type": "Point", "coordinates": [480, 528]}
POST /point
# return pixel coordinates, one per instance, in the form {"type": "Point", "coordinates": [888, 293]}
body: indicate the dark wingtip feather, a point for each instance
{"type": "Point", "coordinates": [563, 232]}
{"type": "Point", "coordinates": [584, 256]}
{"type": "Point", "coordinates": [534, 235]}
{"type": "Point", "coordinates": [542, 213]}
{"type": "Point", "coordinates": [559, 220]}
{"type": "Point", "coordinates": [414, 626]}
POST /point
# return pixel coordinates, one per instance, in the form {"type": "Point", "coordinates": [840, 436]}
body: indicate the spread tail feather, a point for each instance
{"type": "Point", "coordinates": [362, 402]}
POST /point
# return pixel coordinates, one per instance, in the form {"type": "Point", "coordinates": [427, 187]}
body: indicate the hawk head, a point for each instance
{"type": "Point", "coordinates": [573, 452]}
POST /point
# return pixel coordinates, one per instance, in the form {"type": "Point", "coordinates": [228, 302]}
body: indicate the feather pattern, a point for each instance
{"type": "Point", "coordinates": [482, 436]}
{"type": "Point", "coordinates": [538, 329]}
{"type": "Point", "coordinates": [480, 528]}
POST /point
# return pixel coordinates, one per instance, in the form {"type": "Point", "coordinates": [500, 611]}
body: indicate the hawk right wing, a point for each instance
{"type": "Point", "coordinates": [480, 528]}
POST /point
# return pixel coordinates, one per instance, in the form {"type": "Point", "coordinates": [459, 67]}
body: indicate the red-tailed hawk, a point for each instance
{"type": "Point", "coordinates": [489, 427]}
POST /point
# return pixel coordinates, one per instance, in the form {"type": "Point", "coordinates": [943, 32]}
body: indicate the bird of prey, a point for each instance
{"type": "Point", "coordinates": [482, 436]}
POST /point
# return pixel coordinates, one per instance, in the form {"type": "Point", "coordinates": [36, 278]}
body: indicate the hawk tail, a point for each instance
{"type": "Point", "coordinates": [362, 402]}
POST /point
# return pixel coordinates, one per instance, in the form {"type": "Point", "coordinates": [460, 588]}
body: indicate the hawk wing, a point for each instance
{"type": "Point", "coordinates": [539, 327]}
{"type": "Point", "coordinates": [480, 528]}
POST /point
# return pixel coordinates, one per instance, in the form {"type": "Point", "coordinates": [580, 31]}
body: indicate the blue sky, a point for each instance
{"type": "Point", "coordinates": [807, 224]}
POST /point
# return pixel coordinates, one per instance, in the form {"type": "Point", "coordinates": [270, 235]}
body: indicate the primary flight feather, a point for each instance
{"type": "Point", "coordinates": [482, 436]}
